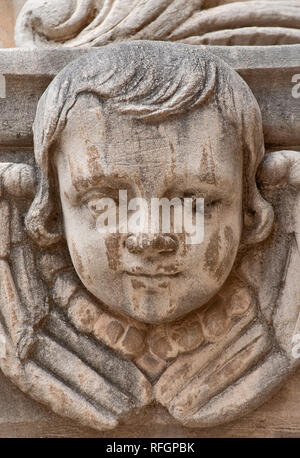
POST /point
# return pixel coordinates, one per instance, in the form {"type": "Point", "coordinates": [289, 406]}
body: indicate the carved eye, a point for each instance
{"type": "Point", "coordinates": [210, 204]}
{"type": "Point", "coordinates": [194, 202]}
{"type": "Point", "coordinates": [197, 208]}
{"type": "Point", "coordinates": [99, 203]}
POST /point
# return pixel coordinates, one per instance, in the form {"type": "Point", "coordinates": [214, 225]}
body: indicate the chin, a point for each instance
{"type": "Point", "coordinates": [155, 311]}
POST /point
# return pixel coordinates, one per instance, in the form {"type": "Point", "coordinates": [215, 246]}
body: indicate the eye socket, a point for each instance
{"type": "Point", "coordinates": [94, 201]}
{"type": "Point", "coordinates": [211, 204]}
{"type": "Point", "coordinates": [96, 206]}
{"type": "Point", "coordinates": [194, 198]}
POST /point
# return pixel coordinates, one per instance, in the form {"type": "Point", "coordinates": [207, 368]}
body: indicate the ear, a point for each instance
{"type": "Point", "coordinates": [258, 219]}
{"type": "Point", "coordinates": [42, 221]}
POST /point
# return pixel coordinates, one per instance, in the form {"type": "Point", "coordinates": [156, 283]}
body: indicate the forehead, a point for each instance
{"type": "Point", "coordinates": [98, 142]}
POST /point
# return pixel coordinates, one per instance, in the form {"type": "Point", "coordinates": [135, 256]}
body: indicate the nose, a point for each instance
{"type": "Point", "coordinates": [155, 243]}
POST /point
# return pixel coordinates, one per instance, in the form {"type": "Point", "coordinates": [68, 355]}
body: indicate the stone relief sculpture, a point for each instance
{"type": "Point", "coordinates": [211, 22]}
{"type": "Point", "coordinates": [97, 325]}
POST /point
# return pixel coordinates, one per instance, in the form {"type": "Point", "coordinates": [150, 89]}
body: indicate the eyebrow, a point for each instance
{"type": "Point", "coordinates": [220, 182]}
{"type": "Point", "coordinates": [83, 185]}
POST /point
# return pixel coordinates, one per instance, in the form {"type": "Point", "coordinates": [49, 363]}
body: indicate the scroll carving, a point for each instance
{"type": "Point", "coordinates": [75, 23]}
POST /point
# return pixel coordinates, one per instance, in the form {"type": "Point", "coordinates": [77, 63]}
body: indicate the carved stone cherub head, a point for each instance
{"type": "Point", "coordinates": [207, 330]}
{"type": "Point", "coordinates": [147, 118]}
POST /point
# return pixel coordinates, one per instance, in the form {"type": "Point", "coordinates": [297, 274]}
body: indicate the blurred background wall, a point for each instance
{"type": "Point", "coordinates": [9, 9]}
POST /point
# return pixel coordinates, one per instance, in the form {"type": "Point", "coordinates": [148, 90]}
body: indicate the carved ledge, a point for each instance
{"type": "Point", "coordinates": [29, 72]}
{"type": "Point", "coordinates": [99, 326]}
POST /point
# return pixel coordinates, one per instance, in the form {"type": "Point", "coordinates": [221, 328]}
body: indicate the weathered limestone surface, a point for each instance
{"type": "Point", "coordinates": [9, 10]}
{"type": "Point", "coordinates": [22, 417]}
{"type": "Point", "coordinates": [139, 332]}
{"type": "Point", "coordinates": [82, 337]}
{"type": "Point", "coordinates": [267, 70]}
{"type": "Point", "coordinates": [207, 22]}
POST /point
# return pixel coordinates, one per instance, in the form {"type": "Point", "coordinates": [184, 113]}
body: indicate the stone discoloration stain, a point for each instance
{"type": "Point", "coordinates": [229, 241]}
{"type": "Point", "coordinates": [137, 284]}
{"type": "Point", "coordinates": [114, 320]}
{"type": "Point", "coordinates": [112, 244]}
{"type": "Point", "coordinates": [207, 165]}
{"type": "Point", "coordinates": [114, 331]}
{"type": "Point", "coordinates": [9, 289]}
{"type": "Point", "coordinates": [77, 259]}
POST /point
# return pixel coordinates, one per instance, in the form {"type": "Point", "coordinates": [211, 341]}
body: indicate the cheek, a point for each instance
{"type": "Point", "coordinates": [86, 245]}
{"type": "Point", "coordinates": [220, 253]}
{"type": "Point", "coordinates": [222, 237]}
{"type": "Point", "coordinates": [113, 251]}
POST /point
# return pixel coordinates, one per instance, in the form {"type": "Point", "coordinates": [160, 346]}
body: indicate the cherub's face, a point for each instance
{"type": "Point", "coordinates": [195, 154]}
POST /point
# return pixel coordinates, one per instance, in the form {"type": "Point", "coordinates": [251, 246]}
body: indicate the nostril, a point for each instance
{"type": "Point", "coordinates": [132, 244]}
{"type": "Point", "coordinates": [165, 244]}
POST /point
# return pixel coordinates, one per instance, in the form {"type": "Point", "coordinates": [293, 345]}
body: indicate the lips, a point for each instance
{"type": "Point", "coordinates": [152, 275]}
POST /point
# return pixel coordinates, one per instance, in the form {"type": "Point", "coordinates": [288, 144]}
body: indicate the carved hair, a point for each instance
{"type": "Point", "coordinates": [150, 81]}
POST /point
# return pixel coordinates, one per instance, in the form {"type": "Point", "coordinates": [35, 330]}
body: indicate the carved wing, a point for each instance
{"type": "Point", "coordinates": [40, 350]}
{"type": "Point", "coordinates": [227, 378]}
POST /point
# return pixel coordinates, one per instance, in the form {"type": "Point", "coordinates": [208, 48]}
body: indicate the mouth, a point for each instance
{"type": "Point", "coordinates": [154, 276]}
